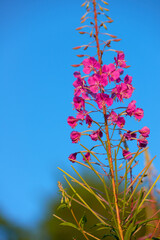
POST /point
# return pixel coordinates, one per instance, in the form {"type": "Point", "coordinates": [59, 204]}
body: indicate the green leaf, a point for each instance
{"type": "Point", "coordinates": [110, 235]}
{"type": "Point", "coordinates": [62, 205]}
{"type": "Point", "coordinates": [83, 221]}
{"type": "Point", "coordinates": [68, 224]}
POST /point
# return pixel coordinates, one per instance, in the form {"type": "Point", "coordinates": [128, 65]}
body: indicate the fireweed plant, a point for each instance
{"type": "Point", "coordinates": [100, 92]}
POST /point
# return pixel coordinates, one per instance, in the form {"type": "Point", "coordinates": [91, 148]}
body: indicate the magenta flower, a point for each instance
{"type": "Point", "coordinates": [103, 80]}
{"type": "Point", "coordinates": [102, 99]}
{"type": "Point", "coordinates": [108, 68]}
{"type": "Point", "coordinates": [87, 156]}
{"type": "Point", "coordinates": [96, 135]}
{"type": "Point", "coordinates": [145, 131]}
{"type": "Point", "coordinates": [90, 64]}
{"type": "Point", "coordinates": [126, 154]}
{"type": "Point", "coordinates": [120, 122]}
{"type": "Point", "coordinates": [128, 79]}
{"type": "Point", "coordinates": [79, 82]}
{"type": "Point", "coordinates": [80, 88]}
{"type": "Point", "coordinates": [113, 117]}
{"type": "Point", "coordinates": [77, 74]}
{"type": "Point", "coordinates": [120, 60]}
{"type": "Point", "coordinates": [123, 90]}
{"type": "Point", "coordinates": [131, 108]}
{"type": "Point", "coordinates": [129, 135]}
{"type": "Point", "coordinates": [78, 103]}
{"type": "Point", "coordinates": [72, 121]}
{"type": "Point", "coordinates": [89, 121]}
{"type": "Point", "coordinates": [75, 136]}
{"type": "Point", "coordinates": [139, 113]}
{"type": "Point", "coordinates": [81, 115]}
{"type": "Point", "coordinates": [142, 143]}
{"type": "Point", "coordinates": [111, 71]}
{"type": "Point", "coordinates": [72, 157]}
{"type": "Point", "coordinates": [94, 82]}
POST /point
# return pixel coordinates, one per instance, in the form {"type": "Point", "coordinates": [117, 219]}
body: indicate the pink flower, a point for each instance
{"type": "Point", "coordinates": [80, 88]}
{"type": "Point", "coordinates": [75, 136]}
{"type": "Point", "coordinates": [96, 81]}
{"type": "Point", "coordinates": [72, 121]}
{"type": "Point", "coordinates": [126, 154]}
{"type": "Point", "coordinates": [104, 81]}
{"type": "Point", "coordinates": [96, 135]}
{"type": "Point", "coordinates": [130, 136]}
{"type": "Point", "coordinates": [145, 131]}
{"type": "Point", "coordinates": [72, 157]}
{"type": "Point", "coordinates": [111, 71]}
{"type": "Point", "coordinates": [78, 103]}
{"type": "Point", "coordinates": [81, 115]}
{"type": "Point", "coordinates": [102, 99]}
{"type": "Point", "coordinates": [120, 60]}
{"type": "Point", "coordinates": [131, 108]}
{"type": "Point", "coordinates": [79, 82]}
{"type": "Point", "coordinates": [90, 64]}
{"type": "Point", "coordinates": [113, 117]}
{"type": "Point", "coordinates": [142, 143]}
{"type": "Point", "coordinates": [120, 122]}
{"type": "Point", "coordinates": [77, 74]}
{"type": "Point", "coordinates": [89, 121]}
{"type": "Point", "coordinates": [139, 113]}
{"type": "Point", "coordinates": [87, 157]}
{"type": "Point", "coordinates": [108, 68]}
{"type": "Point", "coordinates": [123, 91]}
{"type": "Point", "coordinates": [128, 79]}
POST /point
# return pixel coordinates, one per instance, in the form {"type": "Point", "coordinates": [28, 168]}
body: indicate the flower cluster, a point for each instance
{"type": "Point", "coordinates": [102, 87]}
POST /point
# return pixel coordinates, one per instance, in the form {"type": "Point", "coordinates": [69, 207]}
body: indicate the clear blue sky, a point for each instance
{"type": "Point", "coordinates": [36, 43]}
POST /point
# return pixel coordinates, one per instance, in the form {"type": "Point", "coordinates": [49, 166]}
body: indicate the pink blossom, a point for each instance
{"type": "Point", "coordinates": [78, 103]}
{"type": "Point", "coordinates": [145, 131]}
{"type": "Point", "coordinates": [96, 135]}
{"type": "Point", "coordinates": [108, 68]}
{"type": "Point", "coordinates": [77, 74]}
{"type": "Point", "coordinates": [89, 121]}
{"type": "Point", "coordinates": [142, 143]}
{"type": "Point", "coordinates": [111, 71]}
{"type": "Point", "coordinates": [126, 154]}
{"type": "Point", "coordinates": [72, 157]}
{"type": "Point", "coordinates": [104, 81]}
{"type": "Point", "coordinates": [102, 99]}
{"type": "Point", "coordinates": [128, 79]}
{"type": "Point", "coordinates": [114, 75]}
{"type": "Point", "coordinates": [120, 60]}
{"type": "Point", "coordinates": [87, 157]}
{"type": "Point", "coordinates": [131, 108]}
{"type": "Point", "coordinates": [123, 91]}
{"type": "Point", "coordinates": [90, 64]}
{"type": "Point", "coordinates": [79, 82]}
{"type": "Point", "coordinates": [139, 113]}
{"type": "Point", "coordinates": [94, 82]}
{"type": "Point", "coordinates": [81, 115]}
{"type": "Point", "coordinates": [75, 136]}
{"type": "Point", "coordinates": [72, 121]}
{"type": "Point", "coordinates": [129, 135]}
{"type": "Point", "coordinates": [113, 117]}
{"type": "Point", "coordinates": [120, 122]}
{"type": "Point", "coordinates": [80, 88]}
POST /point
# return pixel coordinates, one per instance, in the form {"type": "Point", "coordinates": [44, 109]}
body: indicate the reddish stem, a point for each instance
{"type": "Point", "coordinates": [107, 131]}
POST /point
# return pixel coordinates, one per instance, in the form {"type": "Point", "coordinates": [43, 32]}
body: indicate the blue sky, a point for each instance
{"type": "Point", "coordinates": [36, 90]}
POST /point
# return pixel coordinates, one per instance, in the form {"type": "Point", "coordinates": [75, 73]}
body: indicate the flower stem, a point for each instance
{"type": "Point", "coordinates": [107, 130]}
